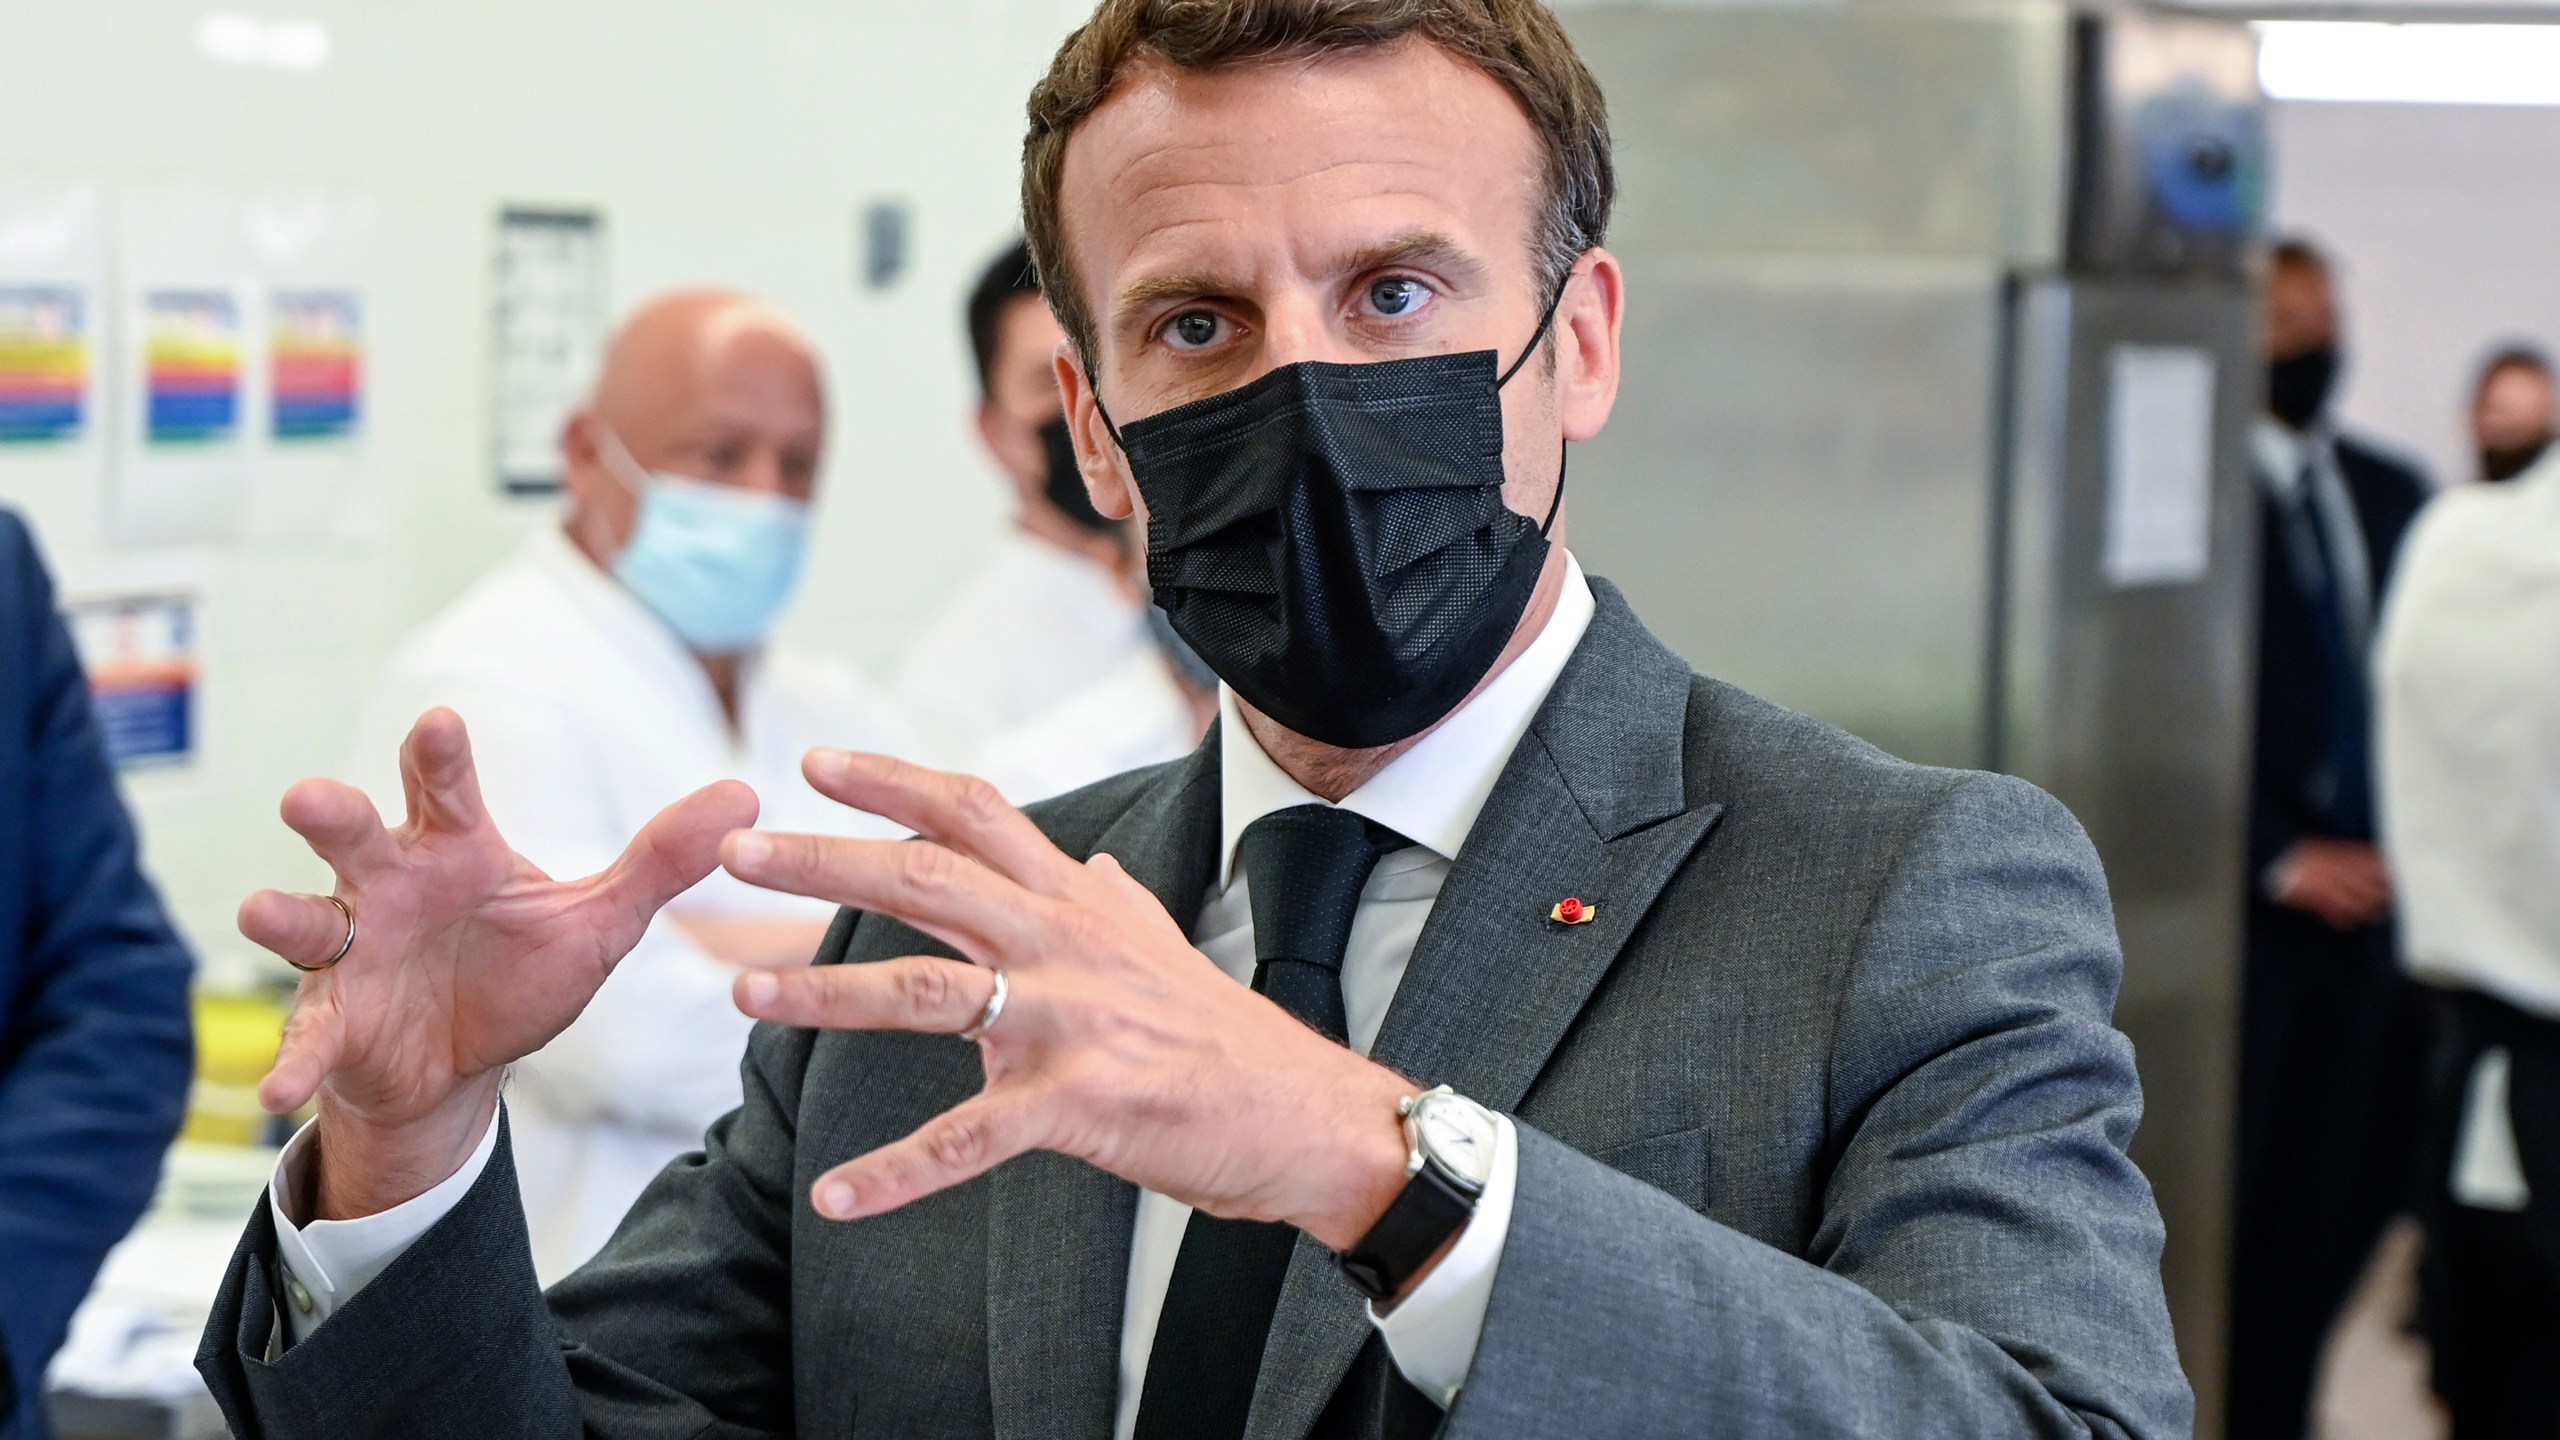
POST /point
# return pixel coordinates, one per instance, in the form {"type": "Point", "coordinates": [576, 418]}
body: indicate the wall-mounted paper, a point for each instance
{"type": "Point", "coordinates": [190, 366]}
{"type": "Point", "coordinates": [44, 364]}
{"type": "Point", "coordinates": [140, 655]}
{"type": "Point", "coordinates": [2159, 466]}
{"type": "Point", "coordinates": [315, 363]}
{"type": "Point", "coordinates": [547, 325]}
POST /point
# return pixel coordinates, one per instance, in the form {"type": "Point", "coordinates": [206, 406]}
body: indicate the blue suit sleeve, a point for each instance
{"type": "Point", "coordinates": [95, 1043]}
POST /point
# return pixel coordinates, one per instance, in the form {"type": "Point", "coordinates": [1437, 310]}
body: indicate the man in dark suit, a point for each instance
{"type": "Point", "coordinates": [1619, 1055]}
{"type": "Point", "coordinates": [2329, 1062]}
{"type": "Point", "coordinates": [95, 1047]}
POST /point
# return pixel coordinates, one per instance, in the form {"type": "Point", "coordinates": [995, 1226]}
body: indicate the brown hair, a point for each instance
{"type": "Point", "coordinates": [1517, 42]}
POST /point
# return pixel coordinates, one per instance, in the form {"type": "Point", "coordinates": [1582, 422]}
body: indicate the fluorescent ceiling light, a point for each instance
{"type": "Point", "coordinates": [2438, 64]}
{"type": "Point", "coordinates": [278, 44]}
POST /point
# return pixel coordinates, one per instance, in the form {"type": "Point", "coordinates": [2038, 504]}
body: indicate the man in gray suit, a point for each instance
{"type": "Point", "coordinates": [1620, 1056]}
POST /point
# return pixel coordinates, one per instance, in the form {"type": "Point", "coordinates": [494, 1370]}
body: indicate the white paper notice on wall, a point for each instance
{"type": "Point", "coordinates": [2159, 465]}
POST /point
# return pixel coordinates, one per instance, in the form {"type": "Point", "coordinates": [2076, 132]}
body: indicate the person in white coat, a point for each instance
{"type": "Point", "coordinates": [2469, 684]}
{"type": "Point", "coordinates": [1057, 604]}
{"type": "Point", "coordinates": [616, 662]}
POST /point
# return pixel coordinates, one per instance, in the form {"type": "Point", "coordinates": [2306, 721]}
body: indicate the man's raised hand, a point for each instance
{"type": "Point", "coordinates": [1118, 1043]}
{"type": "Point", "coordinates": [466, 958]}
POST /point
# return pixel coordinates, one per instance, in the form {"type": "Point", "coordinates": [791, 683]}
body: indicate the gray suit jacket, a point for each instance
{"type": "Point", "coordinates": [1822, 1130]}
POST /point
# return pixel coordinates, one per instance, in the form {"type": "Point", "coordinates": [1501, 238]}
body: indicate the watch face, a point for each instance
{"type": "Point", "coordinates": [1459, 1135]}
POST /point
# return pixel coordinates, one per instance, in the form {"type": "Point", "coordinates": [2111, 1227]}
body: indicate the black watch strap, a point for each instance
{"type": "Point", "coordinates": [1431, 1208]}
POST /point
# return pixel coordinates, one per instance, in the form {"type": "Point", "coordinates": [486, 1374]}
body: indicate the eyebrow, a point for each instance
{"type": "Point", "coordinates": [1415, 247]}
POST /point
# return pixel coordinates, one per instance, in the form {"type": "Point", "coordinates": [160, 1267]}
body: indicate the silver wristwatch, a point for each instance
{"type": "Point", "coordinates": [1450, 1142]}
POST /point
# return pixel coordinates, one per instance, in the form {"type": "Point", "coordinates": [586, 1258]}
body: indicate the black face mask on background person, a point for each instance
{"type": "Point", "coordinates": [1064, 487]}
{"type": "Point", "coordinates": [1331, 539]}
{"type": "Point", "coordinates": [2506, 462]}
{"type": "Point", "coordinates": [2298, 386]}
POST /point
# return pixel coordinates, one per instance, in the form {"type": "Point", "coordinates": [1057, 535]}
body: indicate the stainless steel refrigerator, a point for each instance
{"type": "Point", "coordinates": [1940, 364]}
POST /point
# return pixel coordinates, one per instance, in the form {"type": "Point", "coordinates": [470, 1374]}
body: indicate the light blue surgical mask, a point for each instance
{"type": "Point", "coordinates": [715, 562]}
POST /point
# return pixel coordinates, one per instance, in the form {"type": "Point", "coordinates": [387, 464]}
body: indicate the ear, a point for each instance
{"type": "Point", "coordinates": [1588, 325]}
{"type": "Point", "coordinates": [1106, 470]}
{"type": "Point", "coordinates": [581, 468]}
{"type": "Point", "coordinates": [602, 513]}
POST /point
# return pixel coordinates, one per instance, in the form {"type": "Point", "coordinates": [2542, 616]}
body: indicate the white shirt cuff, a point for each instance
{"type": "Point", "coordinates": [327, 1261]}
{"type": "Point", "coordinates": [1433, 1332]}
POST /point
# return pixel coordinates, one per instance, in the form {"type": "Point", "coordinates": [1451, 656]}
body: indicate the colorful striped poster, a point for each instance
{"type": "Point", "coordinates": [44, 364]}
{"type": "Point", "coordinates": [191, 367]}
{"type": "Point", "coordinates": [140, 655]}
{"type": "Point", "coordinates": [316, 355]}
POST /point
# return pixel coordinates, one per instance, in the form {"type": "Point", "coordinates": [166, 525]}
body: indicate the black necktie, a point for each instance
{"type": "Point", "coordinates": [1304, 868]}
{"type": "Point", "coordinates": [2349, 762]}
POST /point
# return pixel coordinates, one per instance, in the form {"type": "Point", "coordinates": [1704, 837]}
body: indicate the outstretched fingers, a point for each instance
{"type": "Point", "coordinates": [341, 827]}
{"type": "Point", "coordinates": [436, 771]}
{"type": "Point", "coordinates": [672, 853]}
{"type": "Point", "coordinates": [961, 811]}
{"type": "Point", "coordinates": [937, 890]}
{"type": "Point", "coordinates": [957, 1146]}
{"type": "Point", "coordinates": [919, 993]}
{"type": "Point", "coordinates": [305, 929]}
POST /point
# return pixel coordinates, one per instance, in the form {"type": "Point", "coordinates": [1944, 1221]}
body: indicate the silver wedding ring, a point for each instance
{"type": "Point", "coordinates": [986, 1020]}
{"type": "Point", "coordinates": [343, 946]}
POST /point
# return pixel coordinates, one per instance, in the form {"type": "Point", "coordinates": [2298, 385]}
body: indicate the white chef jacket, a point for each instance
{"type": "Point", "coordinates": [588, 716]}
{"type": "Point", "coordinates": [1034, 624]}
{"type": "Point", "coordinates": [2468, 684]}
{"type": "Point", "coordinates": [1431, 794]}
{"type": "Point", "coordinates": [1135, 715]}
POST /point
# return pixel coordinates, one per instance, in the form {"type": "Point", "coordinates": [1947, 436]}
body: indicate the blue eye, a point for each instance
{"type": "Point", "coordinates": [1398, 297]}
{"type": "Point", "coordinates": [1193, 329]}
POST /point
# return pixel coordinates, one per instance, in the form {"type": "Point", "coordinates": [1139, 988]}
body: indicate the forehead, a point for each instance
{"type": "Point", "coordinates": [756, 366]}
{"type": "Point", "coordinates": [2299, 283]}
{"type": "Point", "coordinates": [1025, 330]}
{"type": "Point", "coordinates": [2518, 383]}
{"type": "Point", "coordinates": [1286, 162]}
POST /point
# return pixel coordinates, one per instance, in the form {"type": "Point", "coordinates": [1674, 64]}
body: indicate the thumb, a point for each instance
{"type": "Point", "coordinates": [312, 1040]}
{"type": "Point", "coordinates": [674, 851]}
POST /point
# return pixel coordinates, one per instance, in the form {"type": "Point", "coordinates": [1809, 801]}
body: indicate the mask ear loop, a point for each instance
{"type": "Point", "coordinates": [618, 460]}
{"type": "Point", "coordinates": [1564, 456]}
{"type": "Point", "coordinates": [1546, 322]}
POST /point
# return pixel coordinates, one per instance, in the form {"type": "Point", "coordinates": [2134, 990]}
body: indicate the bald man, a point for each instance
{"type": "Point", "coordinates": [616, 662]}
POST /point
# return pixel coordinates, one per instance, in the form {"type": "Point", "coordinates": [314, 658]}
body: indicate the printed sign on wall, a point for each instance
{"type": "Point", "coordinates": [140, 654]}
{"type": "Point", "coordinates": [315, 363]}
{"type": "Point", "coordinates": [548, 317]}
{"type": "Point", "coordinates": [44, 364]}
{"type": "Point", "coordinates": [191, 366]}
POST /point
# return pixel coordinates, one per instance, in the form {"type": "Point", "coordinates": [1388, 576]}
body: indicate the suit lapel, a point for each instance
{"type": "Point", "coordinates": [1058, 1229]}
{"type": "Point", "coordinates": [1594, 805]}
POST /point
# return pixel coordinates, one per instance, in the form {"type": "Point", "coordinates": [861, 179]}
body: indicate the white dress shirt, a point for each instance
{"type": "Point", "coordinates": [588, 716]}
{"type": "Point", "coordinates": [1432, 795]}
{"type": "Point", "coordinates": [1032, 626]}
{"type": "Point", "coordinates": [2468, 679]}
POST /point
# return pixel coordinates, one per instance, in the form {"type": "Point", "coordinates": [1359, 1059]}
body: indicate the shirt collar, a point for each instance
{"type": "Point", "coordinates": [1432, 793]}
{"type": "Point", "coordinates": [2286, 456]}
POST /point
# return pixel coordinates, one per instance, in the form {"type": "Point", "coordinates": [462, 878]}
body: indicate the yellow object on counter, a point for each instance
{"type": "Point", "coordinates": [236, 1039]}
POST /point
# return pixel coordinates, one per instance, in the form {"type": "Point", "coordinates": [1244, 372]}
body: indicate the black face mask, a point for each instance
{"type": "Point", "coordinates": [2298, 386]}
{"type": "Point", "coordinates": [1064, 488]}
{"type": "Point", "coordinates": [2506, 462]}
{"type": "Point", "coordinates": [1332, 540]}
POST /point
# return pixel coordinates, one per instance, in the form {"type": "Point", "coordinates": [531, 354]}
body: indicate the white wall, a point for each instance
{"type": "Point", "coordinates": [726, 142]}
{"type": "Point", "coordinates": [2447, 225]}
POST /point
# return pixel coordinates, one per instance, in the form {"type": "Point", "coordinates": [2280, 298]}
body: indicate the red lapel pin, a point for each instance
{"type": "Point", "coordinates": [1571, 911]}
